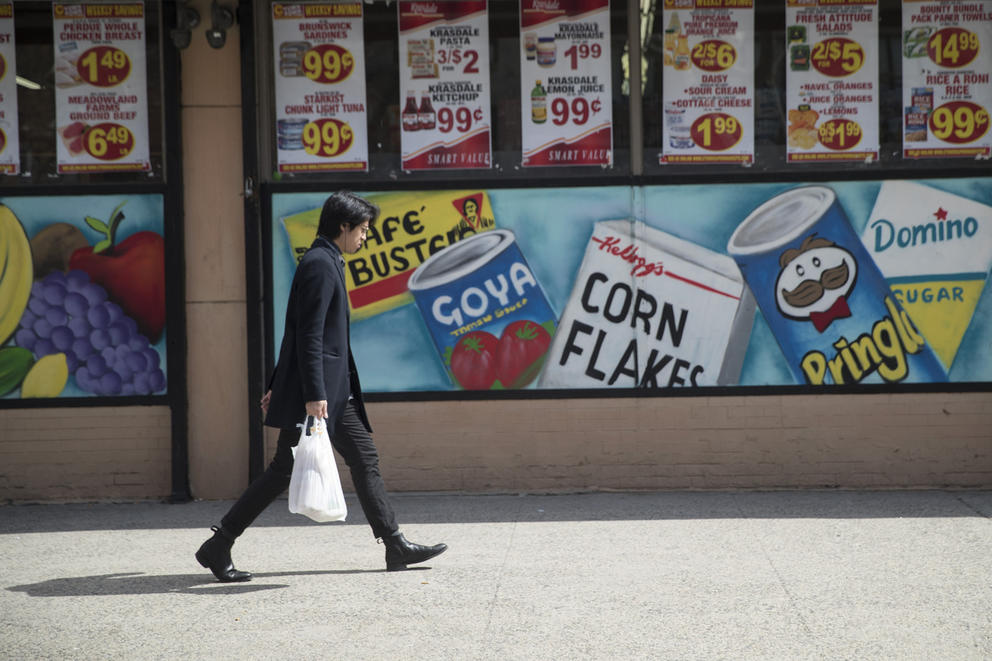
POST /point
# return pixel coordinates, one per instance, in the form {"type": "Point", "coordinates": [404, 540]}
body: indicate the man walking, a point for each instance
{"type": "Point", "coordinates": [316, 375]}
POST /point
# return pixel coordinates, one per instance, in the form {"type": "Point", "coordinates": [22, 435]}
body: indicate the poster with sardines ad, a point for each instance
{"type": "Point", "coordinates": [10, 150]}
{"type": "Point", "coordinates": [319, 52]}
{"type": "Point", "coordinates": [444, 79]}
{"type": "Point", "coordinates": [101, 87]}
{"type": "Point", "coordinates": [946, 90]}
{"type": "Point", "coordinates": [709, 81]}
{"type": "Point", "coordinates": [565, 73]}
{"type": "Point", "coordinates": [771, 284]}
{"type": "Point", "coordinates": [832, 80]}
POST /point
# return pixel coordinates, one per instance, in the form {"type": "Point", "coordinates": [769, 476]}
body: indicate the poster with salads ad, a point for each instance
{"type": "Point", "coordinates": [565, 73]}
{"type": "Point", "coordinates": [946, 90]}
{"type": "Point", "coordinates": [10, 150]}
{"type": "Point", "coordinates": [319, 51]}
{"type": "Point", "coordinates": [82, 296]}
{"type": "Point", "coordinates": [444, 80]}
{"type": "Point", "coordinates": [101, 88]}
{"type": "Point", "coordinates": [832, 80]}
{"type": "Point", "coordinates": [771, 284]}
{"type": "Point", "coordinates": [709, 82]}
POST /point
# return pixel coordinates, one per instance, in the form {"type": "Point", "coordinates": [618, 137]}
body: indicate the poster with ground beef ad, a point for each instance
{"type": "Point", "coordinates": [946, 89]}
{"type": "Point", "coordinates": [444, 85]}
{"type": "Point", "coordinates": [832, 80]}
{"type": "Point", "coordinates": [565, 73]}
{"type": "Point", "coordinates": [708, 81]}
{"type": "Point", "coordinates": [101, 87]}
{"type": "Point", "coordinates": [82, 296]}
{"type": "Point", "coordinates": [838, 284]}
{"type": "Point", "coordinates": [10, 161]}
{"type": "Point", "coordinates": [319, 52]}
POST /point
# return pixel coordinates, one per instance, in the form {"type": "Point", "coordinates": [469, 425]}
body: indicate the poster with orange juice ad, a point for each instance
{"type": "Point", "coordinates": [831, 80]}
{"type": "Point", "coordinates": [10, 162]}
{"type": "Point", "coordinates": [708, 82]}
{"type": "Point", "coordinates": [946, 86]}
{"type": "Point", "coordinates": [101, 87]}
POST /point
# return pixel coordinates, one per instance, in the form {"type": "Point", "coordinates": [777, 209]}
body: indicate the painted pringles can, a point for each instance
{"type": "Point", "coordinates": [824, 298]}
{"type": "Point", "coordinates": [488, 316]}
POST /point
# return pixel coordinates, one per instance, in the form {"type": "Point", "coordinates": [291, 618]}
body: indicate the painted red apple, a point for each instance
{"type": "Point", "coordinates": [132, 272]}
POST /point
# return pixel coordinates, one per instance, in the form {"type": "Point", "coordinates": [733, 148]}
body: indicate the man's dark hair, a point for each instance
{"type": "Point", "coordinates": [344, 208]}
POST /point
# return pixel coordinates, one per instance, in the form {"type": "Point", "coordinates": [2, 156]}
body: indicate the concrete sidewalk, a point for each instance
{"type": "Point", "coordinates": [782, 575]}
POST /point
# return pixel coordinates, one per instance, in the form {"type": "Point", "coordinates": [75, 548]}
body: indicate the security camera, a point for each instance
{"type": "Point", "coordinates": [187, 18]}
{"type": "Point", "coordinates": [222, 18]}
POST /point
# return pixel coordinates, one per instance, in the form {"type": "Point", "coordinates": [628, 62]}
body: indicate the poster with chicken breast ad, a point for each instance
{"type": "Point", "coordinates": [708, 82]}
{"type": "Point", "coordinates": [101, 87]}
{"type": "Point", "coordinates": [319, 52]}
{"type": "Point", "coordinates": [10, 161]}
{"type": "Point", "coordinates": [444, 79]}
{"type": "Point", "coordinates": [946, 86]}
{"type": "Point", "coordinates": [565, 75]}
{"type": "Point", "coordinates": [832, 80]}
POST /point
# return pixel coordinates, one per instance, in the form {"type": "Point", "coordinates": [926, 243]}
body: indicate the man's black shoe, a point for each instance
{"type": "Point", "coordinates": [215, 555]}
{"type": "Point", "coordinates": [400, 552]}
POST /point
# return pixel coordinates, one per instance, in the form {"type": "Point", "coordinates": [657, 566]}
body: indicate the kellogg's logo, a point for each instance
{"type": "Point", "coordinates": [628, 253]}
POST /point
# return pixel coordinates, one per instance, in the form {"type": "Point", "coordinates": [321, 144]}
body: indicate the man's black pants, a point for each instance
{"type": "Point", "coordinates": [353, 442]}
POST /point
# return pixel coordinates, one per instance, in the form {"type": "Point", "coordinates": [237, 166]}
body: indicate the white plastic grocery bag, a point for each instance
{"type": "Point", "coordinates": [314, 487]}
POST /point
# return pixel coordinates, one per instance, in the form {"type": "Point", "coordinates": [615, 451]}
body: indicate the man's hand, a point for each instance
{"type": "Point", "coordinates": [265, 402]}
{"type": "Point", "coordinates": [317, 409]}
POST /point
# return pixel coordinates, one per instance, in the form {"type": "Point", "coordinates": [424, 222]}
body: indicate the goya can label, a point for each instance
{"type": "Point", "coordinates": [489, 318]}
{"type": "Point", "coordinates": [823, 296]}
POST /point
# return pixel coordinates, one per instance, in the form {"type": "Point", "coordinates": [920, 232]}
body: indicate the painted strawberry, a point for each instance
{"type": "Point", "coordinates": [132, 272]}
{"type": "Point", "coordinates": [473, 361]}
{"type": "Point", "coordinates": [522, 348]}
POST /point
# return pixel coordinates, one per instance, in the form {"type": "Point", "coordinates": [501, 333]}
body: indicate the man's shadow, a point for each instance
{"type": "Point", "coordinates": [131, 583]}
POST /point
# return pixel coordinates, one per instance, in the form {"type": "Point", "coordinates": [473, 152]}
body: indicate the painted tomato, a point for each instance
{"type": "Point", "coordinates": [522, 348]}
{"type": "Point", "coordinates": [473, 361]}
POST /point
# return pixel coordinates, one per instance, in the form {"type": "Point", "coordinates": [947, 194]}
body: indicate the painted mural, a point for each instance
{"type": "Point", "coordinates": [842, 283]}
{"type": "Point", "coordinates": [82, 296]}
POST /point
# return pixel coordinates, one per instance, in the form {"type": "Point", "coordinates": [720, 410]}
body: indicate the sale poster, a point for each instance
{"type": "Point", "coordinates": [832, 80]}
{"type": "Point", "coordinates": [444, 79]}
{"type": "Point", "coordinates": [946, 91]}
{"type": "Point", "coordinates": [319, 52]}
{"type": "Point", "coordinates": [101, 88]}
{"type": "Point", "coordinates": [565, 72]}
{"type": "Point", "coordinates": [708, 82]}
{"type": "Point", "coordinates": [10, 162]}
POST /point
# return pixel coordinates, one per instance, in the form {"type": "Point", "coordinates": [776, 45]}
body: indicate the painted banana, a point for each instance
{"type": "Point", "coordinates": [16, 272]}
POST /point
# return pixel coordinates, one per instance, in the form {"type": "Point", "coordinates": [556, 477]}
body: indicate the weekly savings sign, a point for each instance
{"type": "Point", "coordinates": [444, 74]}
{"type": "Point", "coordinates": [101, 88]}
{"type": "Point", "coordinates": [565, 73]}
{"type": "Point", "coordinates": [320, 87]}
{"type": "Point", "coordinates": [9, 143]}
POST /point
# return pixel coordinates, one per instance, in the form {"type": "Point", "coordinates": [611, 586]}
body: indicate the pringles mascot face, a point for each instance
{"type": "Point", "coordinates": [815, 281]}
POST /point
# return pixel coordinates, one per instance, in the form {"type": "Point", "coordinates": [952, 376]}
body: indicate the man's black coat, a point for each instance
{"type": "Point", "coordinates": [315, 361]}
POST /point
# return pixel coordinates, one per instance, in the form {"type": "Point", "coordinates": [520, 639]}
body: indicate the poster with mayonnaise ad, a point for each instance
{"type": "Point", "coordinates": [946, 90]}
{"type": "Point", "coordinates": [10, 150]}
{"type": "Point", "coordinates": [650, 310]}
{"type": "Point", "coordinates": [411, 227]}
{"type": "Point", "coordinates": [101, 87]}
{"type": "Point", "coordinates": [935, 249]}
{"type": "Point", "coordinates": [708, 82]}
{"type": "Point", "coordinates": [565, 73]}
{"type": "Point", "coordinates": [444, 79]}
{"type": "Point", "coordinates": [319, 52]}
{"type": "Point", "coordinates": [831, 80]}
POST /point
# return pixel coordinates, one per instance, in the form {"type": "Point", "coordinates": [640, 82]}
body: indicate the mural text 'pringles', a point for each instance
{"type": "Point", "coordinates": [489, 318]}
{"type": "Point", "coordinates": [411, 227]}
{"type": "Point", "coordinates": [824, 298]}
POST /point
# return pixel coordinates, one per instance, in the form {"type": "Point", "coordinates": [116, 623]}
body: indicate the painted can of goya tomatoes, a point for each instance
{"type": "Point", "coordinates": [490, 320]}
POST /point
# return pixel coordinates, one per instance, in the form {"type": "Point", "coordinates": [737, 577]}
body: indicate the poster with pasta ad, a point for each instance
{"type": "Point", "coordinates": [565, 75]}
{"type": "Point", "coordinates": [444, 78]}
{"type": "Point", "coordinates": [101, 87]}
{"type": "Point", "coordinates": [832, 80]}
{"type": "Point", "coordinates": [10, 162]}
{"type": "Point", "coordinates": [946, 90]}
{"type": "Point", "coordinates": [708, 81]}
{"type": "Point", "coordinates": [319, 52]}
